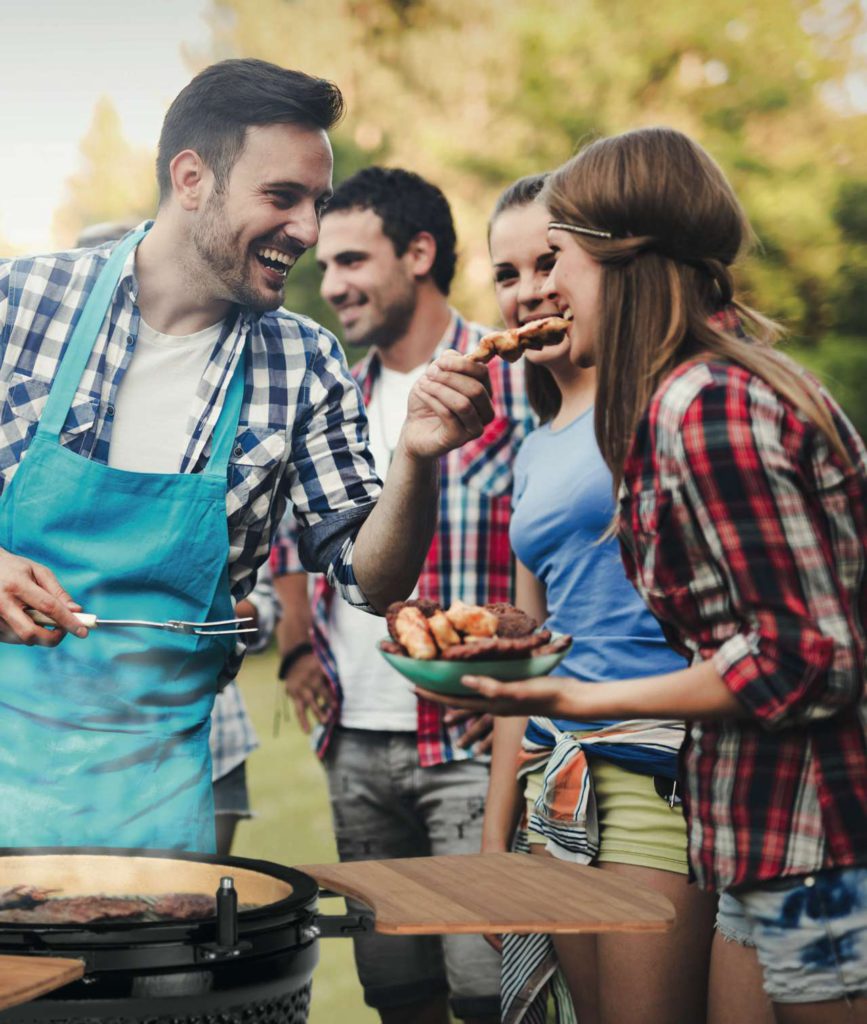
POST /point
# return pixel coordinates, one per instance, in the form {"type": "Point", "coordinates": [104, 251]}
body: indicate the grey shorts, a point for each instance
{"type": "Point", "coordinates": [384, 805]}
{"type": "Point", "coordinates": [231, 795]}
{"type": "Point", "coordinates": [810, 934]}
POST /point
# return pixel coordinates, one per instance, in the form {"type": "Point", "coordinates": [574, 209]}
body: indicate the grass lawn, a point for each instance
{"type": "Point", "coordinates": [293, 826]}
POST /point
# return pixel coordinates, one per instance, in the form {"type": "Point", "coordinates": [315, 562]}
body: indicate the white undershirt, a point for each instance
{"type": "Point", "coordinates": [155, 399]}
{"type": "Point", "coordinates": [374, 695]}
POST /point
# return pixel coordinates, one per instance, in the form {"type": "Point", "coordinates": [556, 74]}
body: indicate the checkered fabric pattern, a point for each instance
{"type": "Point", "coordinates": [302, 434]}
{"type": "Point", "coordinates": [470, 558]}
{"type": "Point", "coordinates": [746, 536]}
{"type": "Point", "coordinates": [233, 737]}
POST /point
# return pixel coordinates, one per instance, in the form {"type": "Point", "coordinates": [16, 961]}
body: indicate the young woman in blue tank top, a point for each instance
{"type": "Point", "coordinates": [570, 576]}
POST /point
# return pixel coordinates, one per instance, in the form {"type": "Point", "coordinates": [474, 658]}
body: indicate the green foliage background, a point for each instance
{"type": "Point", "coordinates": [473, 93]}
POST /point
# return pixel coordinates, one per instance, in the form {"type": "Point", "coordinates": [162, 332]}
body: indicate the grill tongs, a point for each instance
{"type": "Point", "coordinates": [212, 628]}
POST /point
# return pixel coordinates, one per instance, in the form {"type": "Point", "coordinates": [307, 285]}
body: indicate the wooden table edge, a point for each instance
{"type": "Point", "coordinates": [542, 928]}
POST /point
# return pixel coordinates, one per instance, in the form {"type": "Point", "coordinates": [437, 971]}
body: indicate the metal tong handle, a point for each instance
{"type": "Point", "coordinates": [171, 626]}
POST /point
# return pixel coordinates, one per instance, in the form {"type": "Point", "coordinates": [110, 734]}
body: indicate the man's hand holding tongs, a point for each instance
{"type": "Point", "coordinates": [27, 584]}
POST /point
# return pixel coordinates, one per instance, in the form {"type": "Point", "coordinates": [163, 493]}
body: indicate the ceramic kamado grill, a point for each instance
{"type": "Point", "coordinates": [255, 965]}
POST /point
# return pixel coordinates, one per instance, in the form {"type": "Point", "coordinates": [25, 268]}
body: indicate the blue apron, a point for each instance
{"type": "Point", "coordinates": [104, 741]}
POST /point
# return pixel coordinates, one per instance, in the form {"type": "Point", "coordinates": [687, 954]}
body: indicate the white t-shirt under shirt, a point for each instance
{"type": "Point", "coordinates": [156, 397]}
{"type": "Point", "coordinates": [154, 402]}
{"type": "Point", "coordinates": [374, 695]}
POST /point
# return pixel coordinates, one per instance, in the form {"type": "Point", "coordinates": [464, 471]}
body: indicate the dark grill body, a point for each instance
{"type": "Point", "coordinates": [174, 972]}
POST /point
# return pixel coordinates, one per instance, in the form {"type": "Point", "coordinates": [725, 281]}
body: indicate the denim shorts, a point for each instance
{"type": "Point", "coordinates": [810, 934]}
{"type": "Point", "coordinates": [384, 805]}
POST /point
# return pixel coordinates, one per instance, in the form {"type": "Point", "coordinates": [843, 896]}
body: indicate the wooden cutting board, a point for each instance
{"type": "Point", "coordinates": [495, 892]}
{"type": "Point", "coordinates": [26, 977]}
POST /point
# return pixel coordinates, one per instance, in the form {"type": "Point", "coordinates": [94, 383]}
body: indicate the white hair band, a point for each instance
{"type": "Point", "coordinates": [580, 231]}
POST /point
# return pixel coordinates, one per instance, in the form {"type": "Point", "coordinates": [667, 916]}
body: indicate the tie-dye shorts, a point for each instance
{"type": "Point", "coordinates": [810, 934]}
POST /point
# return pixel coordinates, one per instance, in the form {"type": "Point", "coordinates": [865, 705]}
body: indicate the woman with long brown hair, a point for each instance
{"type": "Point", "coordinates": [600, 792]}
{"type": "Point", "coordinates": [742, 492]}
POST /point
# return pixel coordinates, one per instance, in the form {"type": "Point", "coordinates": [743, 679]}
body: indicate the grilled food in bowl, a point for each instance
{"type": "Point", "coordinates": [434, 647]}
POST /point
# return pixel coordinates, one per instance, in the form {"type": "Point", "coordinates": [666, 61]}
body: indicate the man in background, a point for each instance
{"type": "Point", "coordinates": [404, 779]}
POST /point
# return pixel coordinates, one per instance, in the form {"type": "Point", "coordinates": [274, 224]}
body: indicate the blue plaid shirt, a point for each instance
{"type": "Point", "coordinates": [301, 437]}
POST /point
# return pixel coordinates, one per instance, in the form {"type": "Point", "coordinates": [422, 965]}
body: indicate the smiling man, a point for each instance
{"type": "Point", "coordinates": [158, 410]}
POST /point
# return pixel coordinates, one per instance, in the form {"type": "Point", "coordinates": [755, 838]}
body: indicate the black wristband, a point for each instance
{"type": "Point", "coordinates": [291, 656]}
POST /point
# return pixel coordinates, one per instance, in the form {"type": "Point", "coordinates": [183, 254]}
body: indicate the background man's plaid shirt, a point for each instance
{"type": "Point", "coordinates": [746, 537]}
{"type": "Point", "coordinates": [470, 558]}
{"type": "Point", "coordinates": [302, 434]}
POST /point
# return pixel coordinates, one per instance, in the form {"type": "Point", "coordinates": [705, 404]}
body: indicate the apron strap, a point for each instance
{"type": "Point", "coordinates": [227, 424]}
{"type": "Point", "coordinates": [83, 339]}
{"type": "Point", "coordinates": [80, 347]}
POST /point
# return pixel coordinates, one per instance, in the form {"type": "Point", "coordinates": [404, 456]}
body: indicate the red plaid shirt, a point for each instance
{"type": "Point", "coordinates": [470, 558]}
{"type": "Point", "coordinates": [746, 536]}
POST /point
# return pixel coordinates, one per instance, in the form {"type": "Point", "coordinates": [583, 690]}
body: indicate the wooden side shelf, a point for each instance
{"type": "Point", "coordinates": [494, 892]}
{"type": "Point", "coordinates": [26, 977]}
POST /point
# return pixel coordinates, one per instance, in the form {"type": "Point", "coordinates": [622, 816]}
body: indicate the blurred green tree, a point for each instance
{"type": "Point", "coordinates": [116, 182]}
{"type": "Point", "coordinates": [850, 213]}
{"type": "Point", "coordinates": [473, 93]}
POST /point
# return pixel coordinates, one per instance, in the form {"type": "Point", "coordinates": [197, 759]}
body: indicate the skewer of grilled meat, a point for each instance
{"type": "Point", "coordinates": [511, 344]}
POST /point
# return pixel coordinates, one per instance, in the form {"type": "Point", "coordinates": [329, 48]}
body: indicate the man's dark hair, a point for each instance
{"type": "Point", "coordinates": [211, 115]}
{"type": "Point", "coordinates": [406, 204]}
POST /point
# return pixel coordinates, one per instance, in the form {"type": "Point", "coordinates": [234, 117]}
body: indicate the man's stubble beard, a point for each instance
{"type": "Point", "coordinates": [394, 322]}
{"type": "Point", "coordinates": [218, 251]}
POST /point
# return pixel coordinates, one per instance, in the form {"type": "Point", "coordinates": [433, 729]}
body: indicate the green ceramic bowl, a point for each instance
{"type": "Point", "coordinates": [445, 676]}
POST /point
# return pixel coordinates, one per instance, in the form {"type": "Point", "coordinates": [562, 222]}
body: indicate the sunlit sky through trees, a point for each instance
{"type": "Point", "coordinates": [59, 57]}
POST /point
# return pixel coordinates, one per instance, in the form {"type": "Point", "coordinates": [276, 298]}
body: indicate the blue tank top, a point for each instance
{"type": "Point", "coordinates": [562, 505]}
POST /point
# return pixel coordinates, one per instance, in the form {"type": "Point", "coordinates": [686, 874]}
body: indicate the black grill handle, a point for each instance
{"type": "Point", "coordinates": [341, 926]}
{"type": "Point", "coordinates": [227, 913]}
{"type": "Point", "coordinates": [226, 945]}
